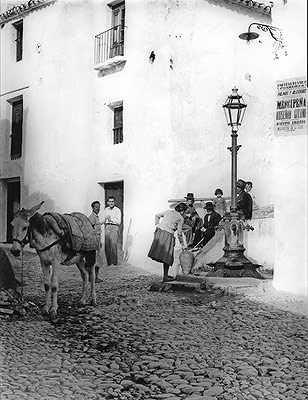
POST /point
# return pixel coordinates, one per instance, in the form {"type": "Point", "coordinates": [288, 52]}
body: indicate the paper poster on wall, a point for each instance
{"type": "Point", "coordinates": [291, 107]}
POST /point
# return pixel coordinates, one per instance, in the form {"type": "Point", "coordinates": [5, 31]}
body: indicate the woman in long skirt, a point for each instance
{"type": "Point", "coordinates": [162, 249]}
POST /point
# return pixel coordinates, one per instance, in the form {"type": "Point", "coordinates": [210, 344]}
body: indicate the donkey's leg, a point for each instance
{"type": "Point", "coordinates": [47, 286]}
{"type": "Point", "coordinates": [91, 271]}
{"type": "Point", "coordinates": [89, 265]}
{"type": "Point", "coordinates": [54, 289]}
{"type": "Point", "coordinates": [85, 281]}
{"type": "Point", "coordinates": [90, 262]}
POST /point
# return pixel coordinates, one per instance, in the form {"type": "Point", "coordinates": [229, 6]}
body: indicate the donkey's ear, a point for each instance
{"type": "Point", "coordinates": [34, 209]}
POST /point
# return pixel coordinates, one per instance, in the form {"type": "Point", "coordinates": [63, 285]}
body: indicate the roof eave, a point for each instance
{"type": "Point", "coordinates": [24, 8]}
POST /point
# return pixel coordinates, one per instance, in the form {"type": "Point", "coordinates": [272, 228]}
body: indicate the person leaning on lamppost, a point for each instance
{"type": "Point", "coordinates": [244, 200]}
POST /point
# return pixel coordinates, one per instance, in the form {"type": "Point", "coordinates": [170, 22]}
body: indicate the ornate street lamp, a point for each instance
{"type": "Point", "coordinates": [234, 109]}
{"type": "Point", "coordinates": [234, 263]}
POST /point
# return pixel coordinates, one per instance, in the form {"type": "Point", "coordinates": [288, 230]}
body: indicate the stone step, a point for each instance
{"type": "Point", "coordinates": [229, 286]}
{"type": "Point", "coordinates": [178, 285]}
{"type": "Point", "coordinates": [190, 278]}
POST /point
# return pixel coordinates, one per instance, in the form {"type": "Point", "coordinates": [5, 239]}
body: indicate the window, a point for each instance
{"type": "Point", "coordinates": [19, 37]}
{"type": "Point", "coordinates": [16, 136]}
{"type": "Point", "coordinates": [118, 23]}
{"type": "Point", "coordinates": [118, 125]}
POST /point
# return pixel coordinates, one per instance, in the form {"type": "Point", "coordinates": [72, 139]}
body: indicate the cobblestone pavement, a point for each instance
{"type": "Point", "coordinates": [139, 344]}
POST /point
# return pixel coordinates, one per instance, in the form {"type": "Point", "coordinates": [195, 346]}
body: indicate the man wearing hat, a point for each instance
{"type": "Point", "coordinates": [192, 220]}
{"type": "Point", "coordinates": [244, 200]}
{"type": "Point", "coordinates": [211, 220]}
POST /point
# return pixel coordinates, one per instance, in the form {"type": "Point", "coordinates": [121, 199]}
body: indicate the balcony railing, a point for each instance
{"type": "Point", "coordinates": [109, 44]}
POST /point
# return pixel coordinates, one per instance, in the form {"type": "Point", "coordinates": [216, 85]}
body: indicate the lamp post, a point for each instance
{"type": "Point", "coordinates": [234, 263]}
{"type": "Point", "coordinates": [234, 109]}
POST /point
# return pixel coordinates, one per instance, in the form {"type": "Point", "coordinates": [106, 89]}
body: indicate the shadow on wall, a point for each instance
{"type": "Point", "coordinates": [29, 201]}
{"type": "Point", "coordinates": [111, 69]}
{"type": "Point", "coordinates": [5, 127]}
{"type": "Point", "coordinates": [130, 238]}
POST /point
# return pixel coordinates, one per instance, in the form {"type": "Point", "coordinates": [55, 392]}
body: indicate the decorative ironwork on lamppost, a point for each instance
{"type": "Point", "coordinates": [234, 263]}
{"type": "Point", "coordinates": [275, 33]}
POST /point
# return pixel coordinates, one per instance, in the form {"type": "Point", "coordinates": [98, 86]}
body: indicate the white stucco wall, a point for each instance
{"type": "Point", "coordinates": [175, 134]}
{"type": "Point", "coordinates": [291, 160]}
{"type": "Point", "coordinates": [182, 107]}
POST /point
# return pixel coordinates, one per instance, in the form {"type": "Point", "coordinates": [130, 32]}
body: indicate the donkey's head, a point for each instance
{"type": "Point", "coordinates": [20, 228]}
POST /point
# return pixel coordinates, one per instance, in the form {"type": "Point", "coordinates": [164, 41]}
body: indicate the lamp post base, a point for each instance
{"type": "Point", "coordinates": [233, 264]}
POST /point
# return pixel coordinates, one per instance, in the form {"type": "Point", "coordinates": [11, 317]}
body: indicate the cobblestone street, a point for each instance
{"type": "Point", "coordinates": [139, 344]}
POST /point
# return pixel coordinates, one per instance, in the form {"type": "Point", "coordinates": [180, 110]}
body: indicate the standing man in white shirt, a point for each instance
{"type": "Point", "coordinates": [112, 221]}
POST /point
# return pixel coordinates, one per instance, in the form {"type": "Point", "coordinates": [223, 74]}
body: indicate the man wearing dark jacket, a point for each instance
{"type": "Point", "coordinates": [211, 220]}
{"type": "Point", "coordinates": [244, 200]}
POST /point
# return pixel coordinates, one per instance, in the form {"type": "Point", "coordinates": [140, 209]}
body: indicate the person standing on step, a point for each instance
{"type": "Point", "coordinates": [112, 221]}
{"type": "Point", "coordinates": [219, 202]}
{"type": "Point", "coordinates": [96, 224]}
{"type": "Point", "coordinates": [244, 200]}
{"type": "Point", "coordinates": [162, 248]}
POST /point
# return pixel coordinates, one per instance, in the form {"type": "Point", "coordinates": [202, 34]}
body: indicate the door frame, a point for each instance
{"type": "Point", "coordinates": [13, 190]}
{"type": "Point", "coordinates": [116, 189]}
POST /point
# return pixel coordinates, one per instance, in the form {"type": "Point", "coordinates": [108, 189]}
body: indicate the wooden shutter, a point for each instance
{"type": "Point", "coordinates": [16, 142]}
{"type": "Point", "coordinates": [118, 125]}
{"type": "Point", "coordinates": [19, 39]}
{"type": "Point", "coordinates": [118, 22]}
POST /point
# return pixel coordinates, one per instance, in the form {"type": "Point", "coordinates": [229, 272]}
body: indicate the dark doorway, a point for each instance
{"type": "Point", "coordinates": [13, 205]}
{"type": "Point", "coordinates": [116, 189]}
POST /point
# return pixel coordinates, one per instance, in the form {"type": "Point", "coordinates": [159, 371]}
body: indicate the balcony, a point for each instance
{"type": "Point", "coordinates": [109, 48]}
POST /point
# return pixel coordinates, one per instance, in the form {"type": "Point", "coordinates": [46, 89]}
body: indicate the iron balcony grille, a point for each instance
{"type": "Point", "coordinates": [109, 44]}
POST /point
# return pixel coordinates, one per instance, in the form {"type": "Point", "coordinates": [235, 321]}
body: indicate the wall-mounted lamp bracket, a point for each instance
{"type": "Point", "coordinates": [265, 28]}
{"type": "Point", "coordinates": [275, 33]}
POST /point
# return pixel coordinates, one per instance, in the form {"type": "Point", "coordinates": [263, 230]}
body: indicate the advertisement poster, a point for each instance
{"type": "Point", "coordinates": [291, 107]}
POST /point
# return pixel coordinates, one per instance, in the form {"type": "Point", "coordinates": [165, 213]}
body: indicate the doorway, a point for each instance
{"type": "Point", "coordinates": [13, 205]}
{"type": "Point", "coordinates": [116, 189]}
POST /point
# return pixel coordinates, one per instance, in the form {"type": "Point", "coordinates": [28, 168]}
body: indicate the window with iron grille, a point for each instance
{"type": "Point", "coordinates": [19, 39]}
{"type": "Point", "coordinates": [118, 125]}
{"type": "Point", "coordinates": [16, 135]}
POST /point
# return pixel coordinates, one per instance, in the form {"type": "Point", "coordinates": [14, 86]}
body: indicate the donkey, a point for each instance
{"type": "Point", "coordinates": [31, 227]}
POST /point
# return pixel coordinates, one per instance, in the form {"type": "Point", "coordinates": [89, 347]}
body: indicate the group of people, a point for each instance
{"type": "Point", "coordinates": [184, 219]}
{"type": "Point", "coordinates": [111, 220]}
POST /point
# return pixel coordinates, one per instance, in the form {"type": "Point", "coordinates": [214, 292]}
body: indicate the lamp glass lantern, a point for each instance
{"type": "Point", "coordinates": [234, 109]}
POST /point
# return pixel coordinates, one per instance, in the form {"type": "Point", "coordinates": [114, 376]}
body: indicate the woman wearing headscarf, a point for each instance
{"type": "Point", "coordinates": [244, 200]}
{"type": "Point", "coordinates": [162, 249]}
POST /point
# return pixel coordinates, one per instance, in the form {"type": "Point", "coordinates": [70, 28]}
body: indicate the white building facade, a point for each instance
{"type": "Point", "coordinates": [126, 98]}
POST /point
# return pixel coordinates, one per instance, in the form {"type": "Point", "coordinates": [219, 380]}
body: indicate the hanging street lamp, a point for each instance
{"type": "Point", "coordinates": [234, 263]}
{"type": "Point", "coordinates": [275, 33]}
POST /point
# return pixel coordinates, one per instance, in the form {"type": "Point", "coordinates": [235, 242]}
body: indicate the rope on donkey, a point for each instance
{"type": "Point", "coordinates": [22, 277]}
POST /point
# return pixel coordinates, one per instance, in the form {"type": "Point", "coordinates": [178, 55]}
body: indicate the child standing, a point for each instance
{"type": "Point", "coordinates": [220, 203]}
